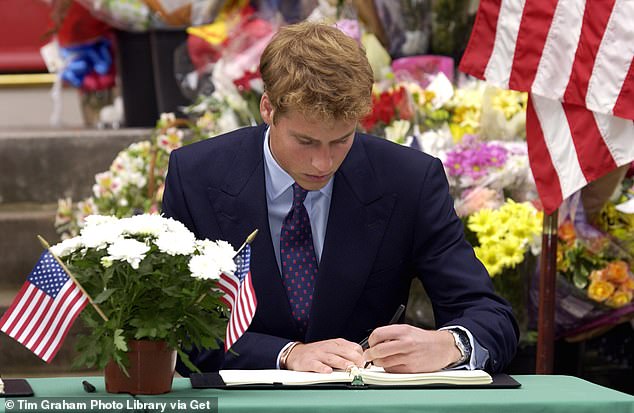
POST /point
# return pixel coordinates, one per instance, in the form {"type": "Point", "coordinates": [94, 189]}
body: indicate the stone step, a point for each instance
{"type": "Point", "coordinates": [19, 247]}
{"type": "Point", "coordinates": [41, 166]}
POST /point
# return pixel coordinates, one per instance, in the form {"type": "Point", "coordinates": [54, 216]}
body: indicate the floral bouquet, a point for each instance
{"type": "Point", "coordinates": [595, 284]}
{"type": "Point", "coordinates": [478, 169]}
{"type": "Point", "coordinates": [505, 240]}
{"type": "Point", "coordinates": [153, 281]}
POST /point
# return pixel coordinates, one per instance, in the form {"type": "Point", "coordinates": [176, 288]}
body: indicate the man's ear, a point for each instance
{"type": "Point", "coordinates": [266, 109]}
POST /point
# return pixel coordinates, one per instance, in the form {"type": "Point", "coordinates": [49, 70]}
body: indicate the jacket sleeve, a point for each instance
{"type": "Point", "coordinates": [457, 283]}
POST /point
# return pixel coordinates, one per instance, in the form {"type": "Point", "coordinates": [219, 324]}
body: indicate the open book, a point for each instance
{"type": "Point", "coordinates": [372, 375]}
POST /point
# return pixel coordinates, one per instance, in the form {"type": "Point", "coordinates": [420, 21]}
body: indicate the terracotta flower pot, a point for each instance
{"type": "Point", "coordinates": [151, 369]}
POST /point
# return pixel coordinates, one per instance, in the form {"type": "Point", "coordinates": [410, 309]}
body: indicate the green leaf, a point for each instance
{"type": "Point", "coordinates": [119, 340]}
{"type": "Point", "coordinates": [580, 281]}
{"type": "Point", "coordinates": [104, 295]}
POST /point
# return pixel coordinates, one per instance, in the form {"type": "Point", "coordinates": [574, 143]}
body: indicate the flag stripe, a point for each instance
{"type": "Point", "coordinates": [531, 38]}
{"type": "Point", "coordinates": [498, 69]}
{"type": "Point", "coordinates": [613, 60]}
{"type": "Point", "coordinates": [46, 324]}
{"type": "Point", "coordinates": [624, 107]}
{"type": "Point", "coordinates": [14, 311]}
{"type": "Point", "coordinates": [239, 296]}
{"type": "Point", "coordinates": [618, 134]}
{"type": "Point", "coordinates": [593, 154]}
{"type": "Point", "coordinates": [546, 177]}
{"type": "Point", "coordinates": [595, 20]}
{"type": "Point", "coordinates": [43, 305]}
{"type": "Point", "coordinates": [58, 309]}
{"type": "Point", "coordinates": [561, 148]}
{"type": "Point", "coordinates": [559, 50]}
{"type": "Point", "coordinates": [29, 309]}
{"type": "Point", "coordinates": [69, 318]}
{"type": "Point", "coordinates": [50, 340]}
{"type": "Point", "coordinates": [478, 51]}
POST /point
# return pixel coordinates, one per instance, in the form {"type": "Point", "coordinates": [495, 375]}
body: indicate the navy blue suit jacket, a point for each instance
{"type": "Point", "coordinates": [391, 219]}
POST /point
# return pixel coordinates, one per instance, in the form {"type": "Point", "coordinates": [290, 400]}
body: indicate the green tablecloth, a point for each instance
{"type": "Point", "coordinates": [537, 394]}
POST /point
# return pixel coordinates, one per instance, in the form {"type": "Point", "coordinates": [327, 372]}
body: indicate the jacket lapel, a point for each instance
{"type": "Point", "coordinates": [240, 207]}
{"type": "Point", "coordinates": [359, 213]}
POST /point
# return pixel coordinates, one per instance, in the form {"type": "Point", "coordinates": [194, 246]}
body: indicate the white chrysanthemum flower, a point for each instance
{"type": "Point", "coordinates": [129, 250]}
{"type": "Point", "coordinates": [67, 247]}
{"type": "Point", "coordinates": [204, 267]}
{"type": "Point", "coordinates": [99, 236]}
{"type": "Point", "coordinates": [175, 226]}
{"type": "Point", "coordinates": [146, 224]}
{"type": "Point", "coordinates": [176, 243]}
{"type": "Point", "coordinates": [92, 220]}
{"type": "Point", "coordinates": [221, 252]}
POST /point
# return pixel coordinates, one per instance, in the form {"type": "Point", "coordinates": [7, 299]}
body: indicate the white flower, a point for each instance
{"type": "Point", "coordinates": [204, 267]}
{"type": "Point", "coordinates": [92, 220]}
{"type": "Point", "coordinates": [129, 250]}
{"type": "Point", "coordinates": [175, 226]}
{"type": "Point", "coordinates": [67, 247]}
{"type": "Point", "coordinates": [98, 236]}
{"type": "Point", "coordinates": [219, 251]}
{"type": "Point", "coordinates": [146, 224]}
{"type": "Point", "coordinates": [176, 243]}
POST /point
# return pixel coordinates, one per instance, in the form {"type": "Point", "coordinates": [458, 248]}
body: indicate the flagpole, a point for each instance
{"type": "Point", "coordinates": [46, 245]}
{"type": "Point", "coordinates": [547, 285]}
{"type": "Point", "coordinates": [246, 242]}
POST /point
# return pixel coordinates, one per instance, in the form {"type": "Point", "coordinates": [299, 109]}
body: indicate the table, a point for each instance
{"type": "Point", "coordinates": [537, 394]}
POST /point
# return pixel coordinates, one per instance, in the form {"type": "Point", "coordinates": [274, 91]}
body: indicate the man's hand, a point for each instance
{"type": "Point", "coordinates": [324, 356]}
{"type": "Point", "coordinates": [401, 348]}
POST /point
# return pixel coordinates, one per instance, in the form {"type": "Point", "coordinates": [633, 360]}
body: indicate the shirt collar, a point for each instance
{"type": "Point", "coordinates": [277, 179]}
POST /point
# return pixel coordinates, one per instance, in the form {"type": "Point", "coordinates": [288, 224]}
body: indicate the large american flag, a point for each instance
{"type": "Point", "coordinates": [239, 296]}
{"type": "Point", "coordinates": [575, 58]}
{"type": "Point", "coordinates": [44, 309]}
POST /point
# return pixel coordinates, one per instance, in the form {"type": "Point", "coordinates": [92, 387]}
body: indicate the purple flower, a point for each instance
{"type": "Point", "coordinates": [474, 158]}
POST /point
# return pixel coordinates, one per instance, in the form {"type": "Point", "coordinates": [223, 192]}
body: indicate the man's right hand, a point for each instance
{"type": "Point", "coordinates": [324, 356]}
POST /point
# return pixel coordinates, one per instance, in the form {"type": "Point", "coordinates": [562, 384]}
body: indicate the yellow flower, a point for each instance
{"type": "Point", "coordinates": [600, 290]}
{"type": "Point", "coordinates": [619, 299]}
{"type": "Point", "coordinates": [508, 102]}
{"type": "Point", "coordinates": [490, 259]}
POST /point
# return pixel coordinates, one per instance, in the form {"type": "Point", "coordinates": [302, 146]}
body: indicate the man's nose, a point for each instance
{"type": "Point", "coordinates": [322, 160]}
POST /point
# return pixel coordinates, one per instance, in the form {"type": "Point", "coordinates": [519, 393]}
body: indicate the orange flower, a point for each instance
{"type": "Point", "coordinates": [617, 272]}
{"type": "Point", "coordinates": [566, 232]}
{"type": "Point", "coordinates": [628, 285]}
{"type": "Point", "coordinates": [619, 299]}
{"type": "Point", "coordinates": [600, 290]}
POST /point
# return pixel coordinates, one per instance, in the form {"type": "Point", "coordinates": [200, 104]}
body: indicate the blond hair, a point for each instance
{"type": "Point", "coordinates": [317, 71]}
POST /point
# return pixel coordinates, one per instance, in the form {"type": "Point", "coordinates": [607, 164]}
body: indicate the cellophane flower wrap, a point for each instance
{"type": "Point", "coordinates": [152, 279]}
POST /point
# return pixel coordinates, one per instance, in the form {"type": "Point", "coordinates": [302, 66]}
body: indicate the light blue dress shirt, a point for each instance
{"type": "Point", "coordinates": [279, 199]}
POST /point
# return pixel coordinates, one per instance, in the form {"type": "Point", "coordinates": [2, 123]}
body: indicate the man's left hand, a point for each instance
{"type": "Point", "coordinates": [401, 348]}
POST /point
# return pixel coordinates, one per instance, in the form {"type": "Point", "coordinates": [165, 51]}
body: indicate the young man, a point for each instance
{"type": "Point", "coordinates": [346, 221]}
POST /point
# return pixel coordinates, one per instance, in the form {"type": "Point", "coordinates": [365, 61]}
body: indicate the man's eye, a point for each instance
{"type": "Point", "coordinates": [305, 142]}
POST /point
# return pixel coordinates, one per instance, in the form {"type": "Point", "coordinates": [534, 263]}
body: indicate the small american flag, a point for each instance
{"type": "Point", "coordinates": [239, 297]}
{"type": "Point", "coordinates": [45, 308]}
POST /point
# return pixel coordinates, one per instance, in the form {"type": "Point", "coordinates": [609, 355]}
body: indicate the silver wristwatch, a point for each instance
{"type": "Point", "coordinates": [464, 346]}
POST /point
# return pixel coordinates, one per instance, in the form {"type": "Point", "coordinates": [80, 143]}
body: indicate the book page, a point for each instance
{"type": "Point", "coordinates": [287, 377]}
{"type": "Point", "coordinates": [378, 376]}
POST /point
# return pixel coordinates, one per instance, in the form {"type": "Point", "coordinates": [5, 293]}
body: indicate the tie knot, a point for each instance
{"type": "Point", "coordinates": [299, 194]}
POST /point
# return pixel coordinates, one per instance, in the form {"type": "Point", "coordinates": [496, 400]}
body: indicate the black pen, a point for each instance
{"type": "Point", "coordinates": [397, 316]}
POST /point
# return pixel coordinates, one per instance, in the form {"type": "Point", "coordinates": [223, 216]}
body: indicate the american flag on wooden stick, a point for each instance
{"type": "Point", "coordinates": [575, 58]}
{"type": "Point", "coordinates": [239, 296]}
{"type": "Point", "coordinates": [44, 309]}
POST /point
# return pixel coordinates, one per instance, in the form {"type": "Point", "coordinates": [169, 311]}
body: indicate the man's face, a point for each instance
{"type": "Point", "coordinates": [309, 150]}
